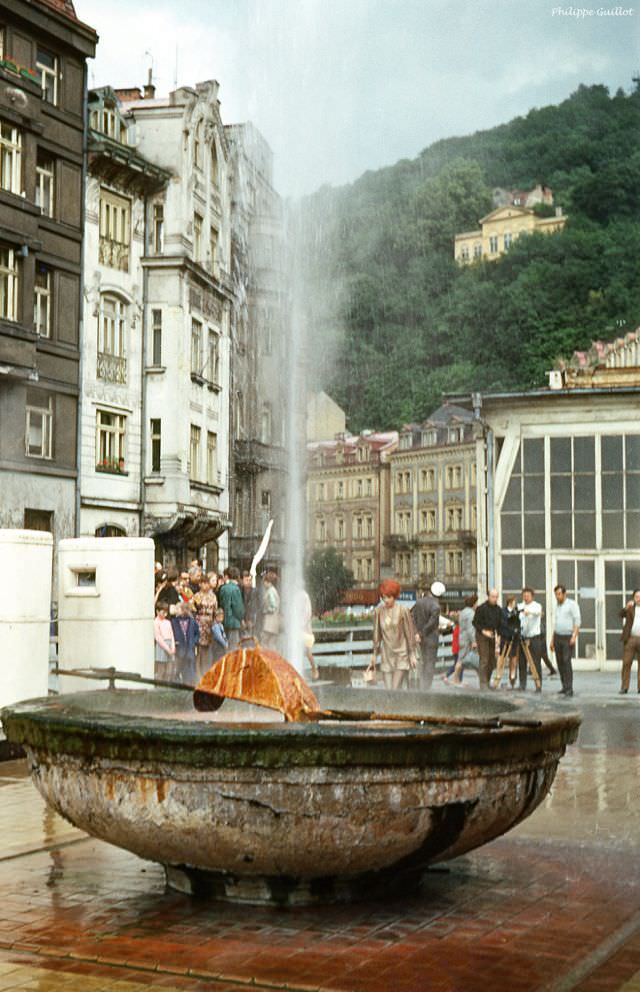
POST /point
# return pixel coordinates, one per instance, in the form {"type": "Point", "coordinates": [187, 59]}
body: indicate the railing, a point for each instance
{"type": "Point", "coordinates": [351, 646]}
{"type": "Point", "coordinates": [114, 254]}
{"type": "Point", "coordinates": [112, 368]}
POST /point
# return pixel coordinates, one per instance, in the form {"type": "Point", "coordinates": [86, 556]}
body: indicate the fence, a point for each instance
{"type": "Point", "coordinates": [343, 652]}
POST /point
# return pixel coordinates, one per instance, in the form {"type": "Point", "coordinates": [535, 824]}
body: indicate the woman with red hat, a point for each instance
{"type": "Point", "coordinates": [394, 638]}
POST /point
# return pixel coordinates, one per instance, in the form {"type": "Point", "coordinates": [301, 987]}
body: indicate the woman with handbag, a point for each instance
{"type": "Point", "coordinates": [394, 639]}
{"type": "Point", "coordinates": [270, 611]}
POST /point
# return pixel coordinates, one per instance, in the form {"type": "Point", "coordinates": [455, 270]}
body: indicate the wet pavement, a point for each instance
{"type": "Point", "coordinates": [553, 906]}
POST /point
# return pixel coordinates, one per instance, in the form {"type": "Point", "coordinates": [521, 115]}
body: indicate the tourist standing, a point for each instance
{"type": "Point", "coordinates": [206, 604]}
{"type": "Point", "coordinates": [394, 638]}
{"type": "Point", "coordinates": [186, 634]}
{"type": "Point", "coordinates": [510, 638]}
{"type": "Point", "coordinates": [270, 616]}
{"type": "Point", "coordinates": [487, 622]}
{"type": "Point", "coordinates": [230, 599]}
{"type": "Point", "coordinates": [251, 599]}
{"type": "Point", "coordinates": [630, 640]}
{"type": "Point", "coordinates": [531, 635]}
{"type": "Point", "coordinates": [165, 644]}
{"type": "Point", "coordinates": [566, 626]}
{"type": "Point", "coordinates": [426, 620]}
{"type": "Point", "coordinates": [467, 640]}
{"type": "Point", "coordinates": [167, 591]}
{"type": "Point", "coordinates": [219, 642]}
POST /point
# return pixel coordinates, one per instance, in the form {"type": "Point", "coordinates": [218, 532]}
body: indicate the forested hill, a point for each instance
{"type": "Point", "coordinates": [396, 322]}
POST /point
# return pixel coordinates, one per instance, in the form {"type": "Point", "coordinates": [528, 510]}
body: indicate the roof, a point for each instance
{"type": "Point", "coordinates": [62, 6]}
{"type": "Point", "coordinates": [623, 352]}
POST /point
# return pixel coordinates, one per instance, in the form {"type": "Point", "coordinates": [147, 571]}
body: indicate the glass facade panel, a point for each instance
{"type": "Point", "coordinates": [584, 454]}
{"type": "Point", "coordinates": [613, 574]}
{"type": "Point", "coordinates": [613, 530]}
{"type": "Point", "coordinates": [632, 569]}
{"type": "Point", "coordinates": [633, 452]}
{"type": "Point", "coordinates": [511, 530]}
{"type": "Point", "coordinates": [566, 575]}
{"type": "Point", "coordinates": [560, 454]}
{"type": "Point", "coordinates": [633, 530]}
{"type": "Point", "coordinates": [584, 529]}
{"type": "Point", "coordinates": [534, 573]}
{"type": "Point", "coordinates": [533, 492]}
{"type": "Point", "coordinates": [534, 530]}
{"type": "Point", "coordinates": [588, 614]}
{"type": "Point", "coordinates": [513, 496]}
{"type": "Point", "coordinates": [561, 530]}
{"type": "Point", "coordinates": [533, 456]}
{"type": "Point", "coordinates": [561, 492]}
{"type": "Point", "coordinates": [612, 453]}
{"type": "Point", "coordinates": [612, 492]}
{"type": "Point", "coordinates": [633, 491]}
{"type": "Point", "coordinates": [511, 573]}
{"type": "Point", "coordinates": [584, 495]}
{"type": "Point", "coordinates": [586, 573]}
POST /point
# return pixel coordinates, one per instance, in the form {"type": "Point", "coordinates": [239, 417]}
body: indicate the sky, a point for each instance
{"type": "Point", "coordinates": [341, 86]}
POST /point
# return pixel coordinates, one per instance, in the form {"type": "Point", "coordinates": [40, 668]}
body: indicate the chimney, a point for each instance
{"type": "Point", "coordinates": [149, 89]}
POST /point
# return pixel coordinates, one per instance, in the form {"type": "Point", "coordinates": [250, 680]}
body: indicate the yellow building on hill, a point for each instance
{"type": "Point", "coordinates": [500, 228]}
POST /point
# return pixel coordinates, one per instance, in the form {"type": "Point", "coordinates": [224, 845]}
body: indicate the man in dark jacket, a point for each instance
{"type": "Point", "coordinates": [231, 601]}
{"type": "Point", "coordinates": [488, 622]}
{"type": "Point", "coordinates": [186, 634]}
{"type": "Point", "coordinates": [630, 639]}
{"type": "Point", "coordinates": [426, 620]}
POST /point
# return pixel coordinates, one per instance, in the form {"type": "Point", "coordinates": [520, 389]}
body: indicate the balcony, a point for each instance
{"type": "Point", "coordinates": [465, 537]}
{"type": "Point", "coordinates": [400, 542]}
{"type": "Point", "coordinates": [253, 456]}
{"type": "Point", "coordinates": [112, 368]}
{"type": "Point", "coordinates": [113, 254]}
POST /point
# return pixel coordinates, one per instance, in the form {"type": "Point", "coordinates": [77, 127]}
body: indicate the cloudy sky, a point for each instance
{"type": "Point", "coordinates": [341, 86]}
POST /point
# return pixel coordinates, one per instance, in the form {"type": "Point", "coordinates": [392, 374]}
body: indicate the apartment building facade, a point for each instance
{"type": "Point", "coordinates": [433, 503]}
{"type": "Point", "coordinates": [348, 504]}
{"type": "Point", "coordinates": [43, 53]}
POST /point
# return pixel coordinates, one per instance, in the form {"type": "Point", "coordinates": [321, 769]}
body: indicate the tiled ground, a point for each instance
{"type": "Point", "coordinates": [553, 906]}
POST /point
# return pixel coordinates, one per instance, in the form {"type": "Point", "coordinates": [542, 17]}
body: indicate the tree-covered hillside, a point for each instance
{"type": "Point", "coordinates": [395, 322]}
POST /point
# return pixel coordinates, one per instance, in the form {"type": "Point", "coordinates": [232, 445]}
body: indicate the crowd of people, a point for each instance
{"type": "Point", "coordinates": [199, 616]}
{"type": "Point", "coordinates": [491, 638]}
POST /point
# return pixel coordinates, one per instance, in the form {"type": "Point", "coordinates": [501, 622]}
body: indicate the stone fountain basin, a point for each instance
{"type": "Point", "coordinates": [261, 811]}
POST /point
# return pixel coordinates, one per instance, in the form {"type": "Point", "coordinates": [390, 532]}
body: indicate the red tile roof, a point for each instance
{"type": "Point", "coordinates": [62, 6]}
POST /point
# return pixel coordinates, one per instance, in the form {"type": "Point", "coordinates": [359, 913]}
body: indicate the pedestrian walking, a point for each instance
{"type": "Point", "coordinates": [566, 626]}
{"type": "Point", "coordinates": [186, 634]}
{"type": "Point", "coordinates": [394, 638]}
{"type": "Point", "coordinates": [270, 619]}
{"type": "Point", "coordinates": [230, 600]}
{"type": "Point", "coordinates": [426, 621]}
{"type": "Point", "coordinates": [165, 645]}
{"type": "Point", "coordinates": [467, 638]}
{"type": "Point", "coordinates": [544, 656]}
{"type": "Point", "coordinates": [530, 635]}
{"type": "Point", "coordinates": [630, 640]}
{"type": "Point", "coordinates": [487, 622]}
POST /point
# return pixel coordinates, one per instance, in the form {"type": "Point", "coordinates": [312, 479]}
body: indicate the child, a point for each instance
{"type": "Point", "coordinates": [165, 643]}
{"type": "Point", "coordinates": [220, 645]}
{"type": "Point", "coordinates": [455, 649]}
{"type": "Point", "coordinates": [186, 634]}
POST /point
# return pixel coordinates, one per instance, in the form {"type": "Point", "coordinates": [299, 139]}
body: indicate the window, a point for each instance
{"type": "Point", "coordinates": [156, 444]}
{"type": "Point", "coordinates": [428, 519]}
{"type": "Point", "coordinates": [112, 328]}
{"type": "Point", "coordinates": [110, 441]}
{"type": "Point", "coordinates": [453, 477]}
{"type": "Point", "coordinates": [9, 284]}
{"type": "Point", "coordinates": [406, 441]}
{"type": "Point", "coordinates": [454, 564]}
{"type": "Point", "coordinates": [156, 337]}
{"type": "Point", "coordinates": [465, 253]}
{"type": "Point", "coordinates": [10, 157]}
{"type": "Point", "coordinates": [47, 65]}
{"type": "Point", "coordinates": [197, 237]}
{"type": "Point", "coordinates": [427, 479]}
{"type": "Point", "coordinates": [403, 565]}
{"type": "Point", "coordinates": [321, 529]}
{"type": "Point", "coordinates": [45, 179]}
{"type": "Point", "coordinates": [320, 491]}
{"type": "Point", "coordinates": [455, 434]}
{"type": "Point", "coordinates": [38, 520]}
{"type": "Point", "coordinates": [493, 244]}
{"type": "Point", "coordinates": [265, 500]}
{"type": "Point", "coordinates": [454, 517]}
{"type": "Point", "coordinates": [115, 230]}
{"type": "Point", "coordinates": [196, 348]}
{"type": "Point", "coordinates": [428, 562]}
{"type": "Point", "coordinates": [477, 251]}
{"type": "Point", "coordinates": [212, 458]}
{"type": "Point", "coordinates": [39, 427]}
{"type": "Point", "coordinates": [430, 438]}
{"type": "Point", "coordinates": [158, 228]}
{"type": "Point", "coordinates": [403, 522]}
{"type": "Point", "coordinates": [239, 413]}
{"type": "Point", "coordinates": [197, 145]}
{"type": "Point", "coordinates": [194, 452]}
{"type": "Point", "coordinates": [403, 482]}
{"type": "Point", "coordinates": [265, 424]}
{"type": "Point", "coordinates": [340, 533]}
{"type": "Point", "coordinates": [368, 526]}
{"type": "Point", "coordinates": [2, 47]}
{"type": "Point", "coordinates": [508, 240]}
{"type": "Point", "coordinates": [42, 301]}
{"type": "Point", "coordinates": [358, 528]}
{"type": "Point", "coordinates": [213, 247]}
{"type": "Point", "coordinates": [369, 487]}
{"type": "Point", "coordinates": [213, 175]}
{"type": "Point", "coordinates": [359, 488]}
{"type": "Point", "coordinates": [340, 490]}
{"type": "Point", "coordinates": [213, 360]}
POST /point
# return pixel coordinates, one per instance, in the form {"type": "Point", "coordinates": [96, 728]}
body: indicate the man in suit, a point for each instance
{"type": "Point", "coordinates": [630, 640]}
{"type": "Point", "coordinates": [186, 635]}
{"type": "Point", "coordinates": [426, 620]}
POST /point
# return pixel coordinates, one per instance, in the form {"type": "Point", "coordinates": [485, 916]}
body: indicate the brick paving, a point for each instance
{"type": "Point", "coordinates": [553, 906]}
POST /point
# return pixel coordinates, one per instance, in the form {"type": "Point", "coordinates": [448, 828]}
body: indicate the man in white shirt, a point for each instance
{"type": "Point", "coordinates": [531, 633]}
{"type": "Point", "coordinates": [630, 639]}
{"type": "Point", "coordinates": [566, 626]}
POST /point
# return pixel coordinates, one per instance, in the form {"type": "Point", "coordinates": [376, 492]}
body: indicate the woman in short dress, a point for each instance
{"type": "Point", "coordinates": [394, 638]}
{"type": "Point", "coordinates": [206, 603]}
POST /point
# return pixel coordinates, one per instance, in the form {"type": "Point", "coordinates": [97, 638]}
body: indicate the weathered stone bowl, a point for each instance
{"type": "Point", "coordinates": [289, 812]}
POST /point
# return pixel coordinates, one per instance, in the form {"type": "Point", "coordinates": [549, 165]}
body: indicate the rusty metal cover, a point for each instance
{"type": "Point", "coordinates": [256, 675]}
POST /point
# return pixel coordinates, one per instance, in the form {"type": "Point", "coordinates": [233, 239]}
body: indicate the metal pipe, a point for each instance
{"type": "Point", "coordinates": [143, 365]}
{"type": "Point", "coordinates": [81, 343]}
{"type": "Point", "coordinates": [491, 569]}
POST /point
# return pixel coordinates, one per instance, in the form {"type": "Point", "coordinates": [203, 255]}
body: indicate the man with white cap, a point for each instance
{"type": "Point", "coordinates": [426, 619]}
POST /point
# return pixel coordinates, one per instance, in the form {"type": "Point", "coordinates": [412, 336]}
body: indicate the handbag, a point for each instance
{"type": "Point", "coordinates": [271, 623]}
